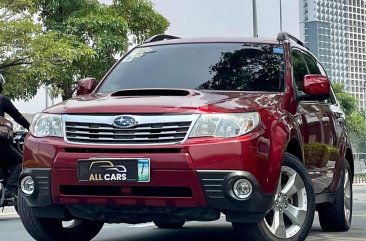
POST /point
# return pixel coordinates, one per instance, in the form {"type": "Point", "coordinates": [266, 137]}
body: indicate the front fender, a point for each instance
{"type": "Point", "coordinates": [283, 132]}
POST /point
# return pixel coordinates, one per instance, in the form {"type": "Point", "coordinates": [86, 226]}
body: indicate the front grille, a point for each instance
{"type": "Point", "coordinates": [152, 133]}
{"type": "Point", "coordinates": [102, 131]}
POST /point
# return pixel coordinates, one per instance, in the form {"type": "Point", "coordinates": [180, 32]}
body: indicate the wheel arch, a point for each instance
{"type": "Point", "coordinates": [293, 147]}
{"type": "Point", "coordinates": [285, 137]}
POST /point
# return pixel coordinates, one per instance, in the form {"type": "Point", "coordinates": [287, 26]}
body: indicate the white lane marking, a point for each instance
{"type": "Point", "coordinates": [142, 225]}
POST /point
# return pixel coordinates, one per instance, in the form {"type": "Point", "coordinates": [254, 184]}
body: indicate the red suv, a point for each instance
{"type": "Point", "coordinates": [187, 129]}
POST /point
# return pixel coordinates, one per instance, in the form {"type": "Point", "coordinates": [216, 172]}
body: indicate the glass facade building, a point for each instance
{"type": "Point", "coordinates": [334, 30]}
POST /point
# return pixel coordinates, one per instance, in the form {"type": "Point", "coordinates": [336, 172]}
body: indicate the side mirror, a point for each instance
{"type": "Point", "coordinates": [86, 86]}
{"type": "Point", "coordinates": [315, 87]}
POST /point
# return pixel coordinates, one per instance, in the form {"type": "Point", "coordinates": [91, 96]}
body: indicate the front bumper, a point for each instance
{"type": "Point", "coordinates": [193, 177]}
{"type": "Point", "coordinates": [213, 195]}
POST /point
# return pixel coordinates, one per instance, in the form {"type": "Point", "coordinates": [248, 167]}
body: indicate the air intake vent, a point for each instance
{"type": "Point", "coordinates": [133, 191]}
{"type": "Point", "coordinates": [152, 92]}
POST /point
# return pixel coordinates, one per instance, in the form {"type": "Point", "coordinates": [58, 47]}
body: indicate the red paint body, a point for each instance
{"type": "Point", "coordinates": [284, 120]}
{"type": "Point", "coordinates": [316, 85]}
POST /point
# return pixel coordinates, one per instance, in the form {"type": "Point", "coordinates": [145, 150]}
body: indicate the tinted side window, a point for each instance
{"type": "Point", "coordinates": [299, 69]}
{"type": "Point", "coordinates": [313, 68]}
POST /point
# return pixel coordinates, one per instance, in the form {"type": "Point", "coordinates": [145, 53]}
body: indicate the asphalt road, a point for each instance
{"type": "Point", "coordinates": [12, 229]}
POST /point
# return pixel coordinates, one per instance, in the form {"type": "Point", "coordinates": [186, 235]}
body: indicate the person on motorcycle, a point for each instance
{"type": "Point", "coordinates": [11, 159]}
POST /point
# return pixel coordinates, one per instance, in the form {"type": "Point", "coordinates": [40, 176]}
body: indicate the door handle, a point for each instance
{"type": "Point", "coordinates": [325, 118]}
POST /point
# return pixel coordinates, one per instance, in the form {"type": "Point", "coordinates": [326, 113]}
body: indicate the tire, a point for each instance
{"type": "Point", "coordinates": [47, 229]}
{"type": "Point", "coordinates": [337, 216]}
{"type": "Point", "coordinates": [16, 203]}
{"type": "Point", "coordinates": [169, 225]}
{"type": "Point", "coordinates": [294, 207]}
{"type": "Point", "coordinates": [16, 208]}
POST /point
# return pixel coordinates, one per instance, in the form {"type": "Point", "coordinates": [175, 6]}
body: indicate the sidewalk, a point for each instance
{"type": "Point", "coordinates": [8, 212]}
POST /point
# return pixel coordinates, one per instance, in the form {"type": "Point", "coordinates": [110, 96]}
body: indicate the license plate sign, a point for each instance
{"type": "Point", "coordinates": [114, 170]}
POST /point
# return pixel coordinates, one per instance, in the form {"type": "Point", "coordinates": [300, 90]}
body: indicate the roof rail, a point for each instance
{"type": "Point", "coordinates": [286, 36]}
{"type": "Point", "coordinates": [160, 37]}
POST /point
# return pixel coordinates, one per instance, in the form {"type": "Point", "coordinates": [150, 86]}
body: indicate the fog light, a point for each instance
{"type": "Point", "coordinates": [27, 185]}
{"type": "Point", "coordinates": [242, 188]}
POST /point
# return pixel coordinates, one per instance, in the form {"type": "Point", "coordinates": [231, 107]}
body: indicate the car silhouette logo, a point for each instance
{"type": "Point", "coordinates": [125, 121]}
{"type": "Point", "coordinates": [107, 166]}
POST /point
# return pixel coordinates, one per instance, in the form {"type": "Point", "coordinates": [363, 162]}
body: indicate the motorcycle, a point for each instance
{"type": "Point", "coordinates": [18, 142]}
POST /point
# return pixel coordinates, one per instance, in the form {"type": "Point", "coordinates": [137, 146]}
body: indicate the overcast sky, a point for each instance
{"type": "Point", "coordinates": [195, 18]}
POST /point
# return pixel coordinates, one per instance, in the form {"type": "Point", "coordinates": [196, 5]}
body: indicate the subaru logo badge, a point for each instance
{"type": "Point", "coordinates": [125, 121]}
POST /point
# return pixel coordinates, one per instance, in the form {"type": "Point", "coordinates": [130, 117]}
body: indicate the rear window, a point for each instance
{"type": "Point", "coordinates": [209, 66]}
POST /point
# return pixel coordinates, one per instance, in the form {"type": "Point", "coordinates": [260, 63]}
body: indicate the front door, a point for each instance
{"type": "Point", "coordinates": [315, 123]}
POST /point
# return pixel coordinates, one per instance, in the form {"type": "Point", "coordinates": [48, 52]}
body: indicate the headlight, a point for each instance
{"type": "Point", "coordinates": [225, 125]}
{"type": "Point", "coordinates": [44, 124]}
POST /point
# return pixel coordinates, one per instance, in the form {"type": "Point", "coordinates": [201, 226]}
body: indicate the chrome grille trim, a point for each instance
{"type": "Point", "coordinates": [151, 129]}
{"type": "Point", "coordinates": [126, 134]}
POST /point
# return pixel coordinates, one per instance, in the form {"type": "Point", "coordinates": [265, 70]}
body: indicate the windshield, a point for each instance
{"type": "Point", "coordinates": [208, 66]}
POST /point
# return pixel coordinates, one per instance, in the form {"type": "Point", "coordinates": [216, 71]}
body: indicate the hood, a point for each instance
{"type": "Point", "coordinates": [167, 101]}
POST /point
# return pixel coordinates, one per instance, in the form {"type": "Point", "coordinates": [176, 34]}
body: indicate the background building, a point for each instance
{"type": "Point", "coordinates": [335, 32]}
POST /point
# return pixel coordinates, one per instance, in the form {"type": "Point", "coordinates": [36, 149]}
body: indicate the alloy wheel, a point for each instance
{"type": "Point", "coordinates": [289, 210]}
{"type": "Point", "coordinates": [347, 196]}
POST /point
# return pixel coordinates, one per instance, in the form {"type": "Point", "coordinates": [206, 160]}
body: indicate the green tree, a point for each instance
{"type": "Point", "coordinates": [72, 39]}
{"type": "Point", "coordinates": [355, 118]}
{"type": "Point", "coordinates": [106, 29]}
{"type": "Point", "coordinates": [30, 56]}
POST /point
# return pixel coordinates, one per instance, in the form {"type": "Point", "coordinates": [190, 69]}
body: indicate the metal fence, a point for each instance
{"type": "Point", "coordinates": [359, 179]}
{"type": "Point", "coordinates": [360, 168]}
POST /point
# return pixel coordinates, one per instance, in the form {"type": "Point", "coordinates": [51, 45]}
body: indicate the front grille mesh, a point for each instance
{"type": "Point", "coordinates": [155, 133]}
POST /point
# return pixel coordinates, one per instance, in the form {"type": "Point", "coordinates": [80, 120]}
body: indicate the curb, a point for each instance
{"type": "Point", "coordinates": [8, 214]}
{"type": "Point", "coordinates": [7, 211]}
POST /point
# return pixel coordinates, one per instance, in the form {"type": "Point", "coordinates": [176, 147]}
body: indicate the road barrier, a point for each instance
{"type": "Point", "coordinates": [359, 179]}
{"type": "Point", "coordinates": [360, 168]}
